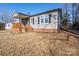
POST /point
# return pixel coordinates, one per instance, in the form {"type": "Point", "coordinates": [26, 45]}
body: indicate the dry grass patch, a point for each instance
{"type": "Point", "coordinates": [31, 43]}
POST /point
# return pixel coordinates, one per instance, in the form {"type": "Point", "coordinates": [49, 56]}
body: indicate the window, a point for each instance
{"type": "Point", "coordinates": [28, 21]}
{"type": "Point", "coordinates": [46, 19]}
{"type": "Point", "coordinates": [32, 20]}
{"type": "Point", "coordinates": [38, 20]}
{"type": "Point", "coordinates": [42, 18]}
{"type": "Point", "coordinates": [8, 25]}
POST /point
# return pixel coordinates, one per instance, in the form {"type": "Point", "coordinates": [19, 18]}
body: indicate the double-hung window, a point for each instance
{"type": "Point", "coordinates": [46, 19]}
{"type": "Point", "coordinates": [32, 20]}
{"type": "Point", "coordinates": [42, 19]}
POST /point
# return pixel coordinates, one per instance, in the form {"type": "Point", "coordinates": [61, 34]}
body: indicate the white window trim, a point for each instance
{"type": "Point", "coordinates": [41, 19]}
{"type": "Point", "coordinates": [32, 21]}
{"type": "Point", "coordinates": [44, 19]}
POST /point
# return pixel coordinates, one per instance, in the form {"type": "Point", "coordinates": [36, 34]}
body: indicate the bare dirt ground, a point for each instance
{"type": "Point", "coordinates": [40, 44]}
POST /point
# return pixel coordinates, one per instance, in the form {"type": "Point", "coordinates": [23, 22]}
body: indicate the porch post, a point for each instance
{"type": "Point", "coordinates": [20, 25]}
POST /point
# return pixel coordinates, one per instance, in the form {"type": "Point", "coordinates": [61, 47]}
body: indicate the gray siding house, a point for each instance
{"type": "Point", "coordinates": [49, 21]}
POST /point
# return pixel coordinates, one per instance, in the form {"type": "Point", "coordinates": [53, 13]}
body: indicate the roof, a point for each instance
{"type": "Point", "coordinates": [20, 15]}
{"type": "Point", "coordinates": [58, 9]}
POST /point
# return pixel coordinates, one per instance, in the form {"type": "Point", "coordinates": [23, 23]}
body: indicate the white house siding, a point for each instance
{"type": "Point", "coordinates": [53, 25]}
{"type": "Point", "coordinates": [8, 26]}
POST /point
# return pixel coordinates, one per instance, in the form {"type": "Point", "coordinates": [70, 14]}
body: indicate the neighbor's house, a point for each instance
{"type": "Point", "coordinates": [49, 21]}
{"type": "Point", "coordinates": [8, 26]}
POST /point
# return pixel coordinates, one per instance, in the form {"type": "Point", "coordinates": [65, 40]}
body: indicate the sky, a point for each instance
{"type": "Point", "coordinates": [28, 8]}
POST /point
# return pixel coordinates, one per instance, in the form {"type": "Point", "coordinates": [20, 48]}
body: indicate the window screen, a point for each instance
{"type": "Point", "coordinates": [42, 18]}
{"type": "Point", "coordinates": [32, 20]}
{"type": "Point", "coordinates": [46, 19]}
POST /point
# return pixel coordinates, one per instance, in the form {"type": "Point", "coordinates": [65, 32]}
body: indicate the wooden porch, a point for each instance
{"type": "Point", "coordinates": [22, 25]}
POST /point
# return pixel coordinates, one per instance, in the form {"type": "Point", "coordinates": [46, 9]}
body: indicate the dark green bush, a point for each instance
{"type": "Point", "coordinates": [2, 26]}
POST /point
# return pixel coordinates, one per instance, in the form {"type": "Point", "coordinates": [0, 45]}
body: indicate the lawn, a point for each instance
{"type": "Point", "coordinates": [37, 44]}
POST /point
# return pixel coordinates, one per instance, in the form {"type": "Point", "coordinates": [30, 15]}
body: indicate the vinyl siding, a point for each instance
{"type": "Point", "coordinates": [53, 25]}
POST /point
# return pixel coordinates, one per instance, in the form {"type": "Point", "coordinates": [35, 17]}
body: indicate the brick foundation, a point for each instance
{"type": "Point", "coordinates": [16, 30]}
{"type": "Point", "coordinates": [45, 30]}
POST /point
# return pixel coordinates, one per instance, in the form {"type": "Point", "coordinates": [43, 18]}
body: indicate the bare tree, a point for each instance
{"type": "Point", "coordinates": [75, 14]}
{"type": "Point", "coordinates": [65, 15]}
{"type": "Point", "coordinates": [5, 18]}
